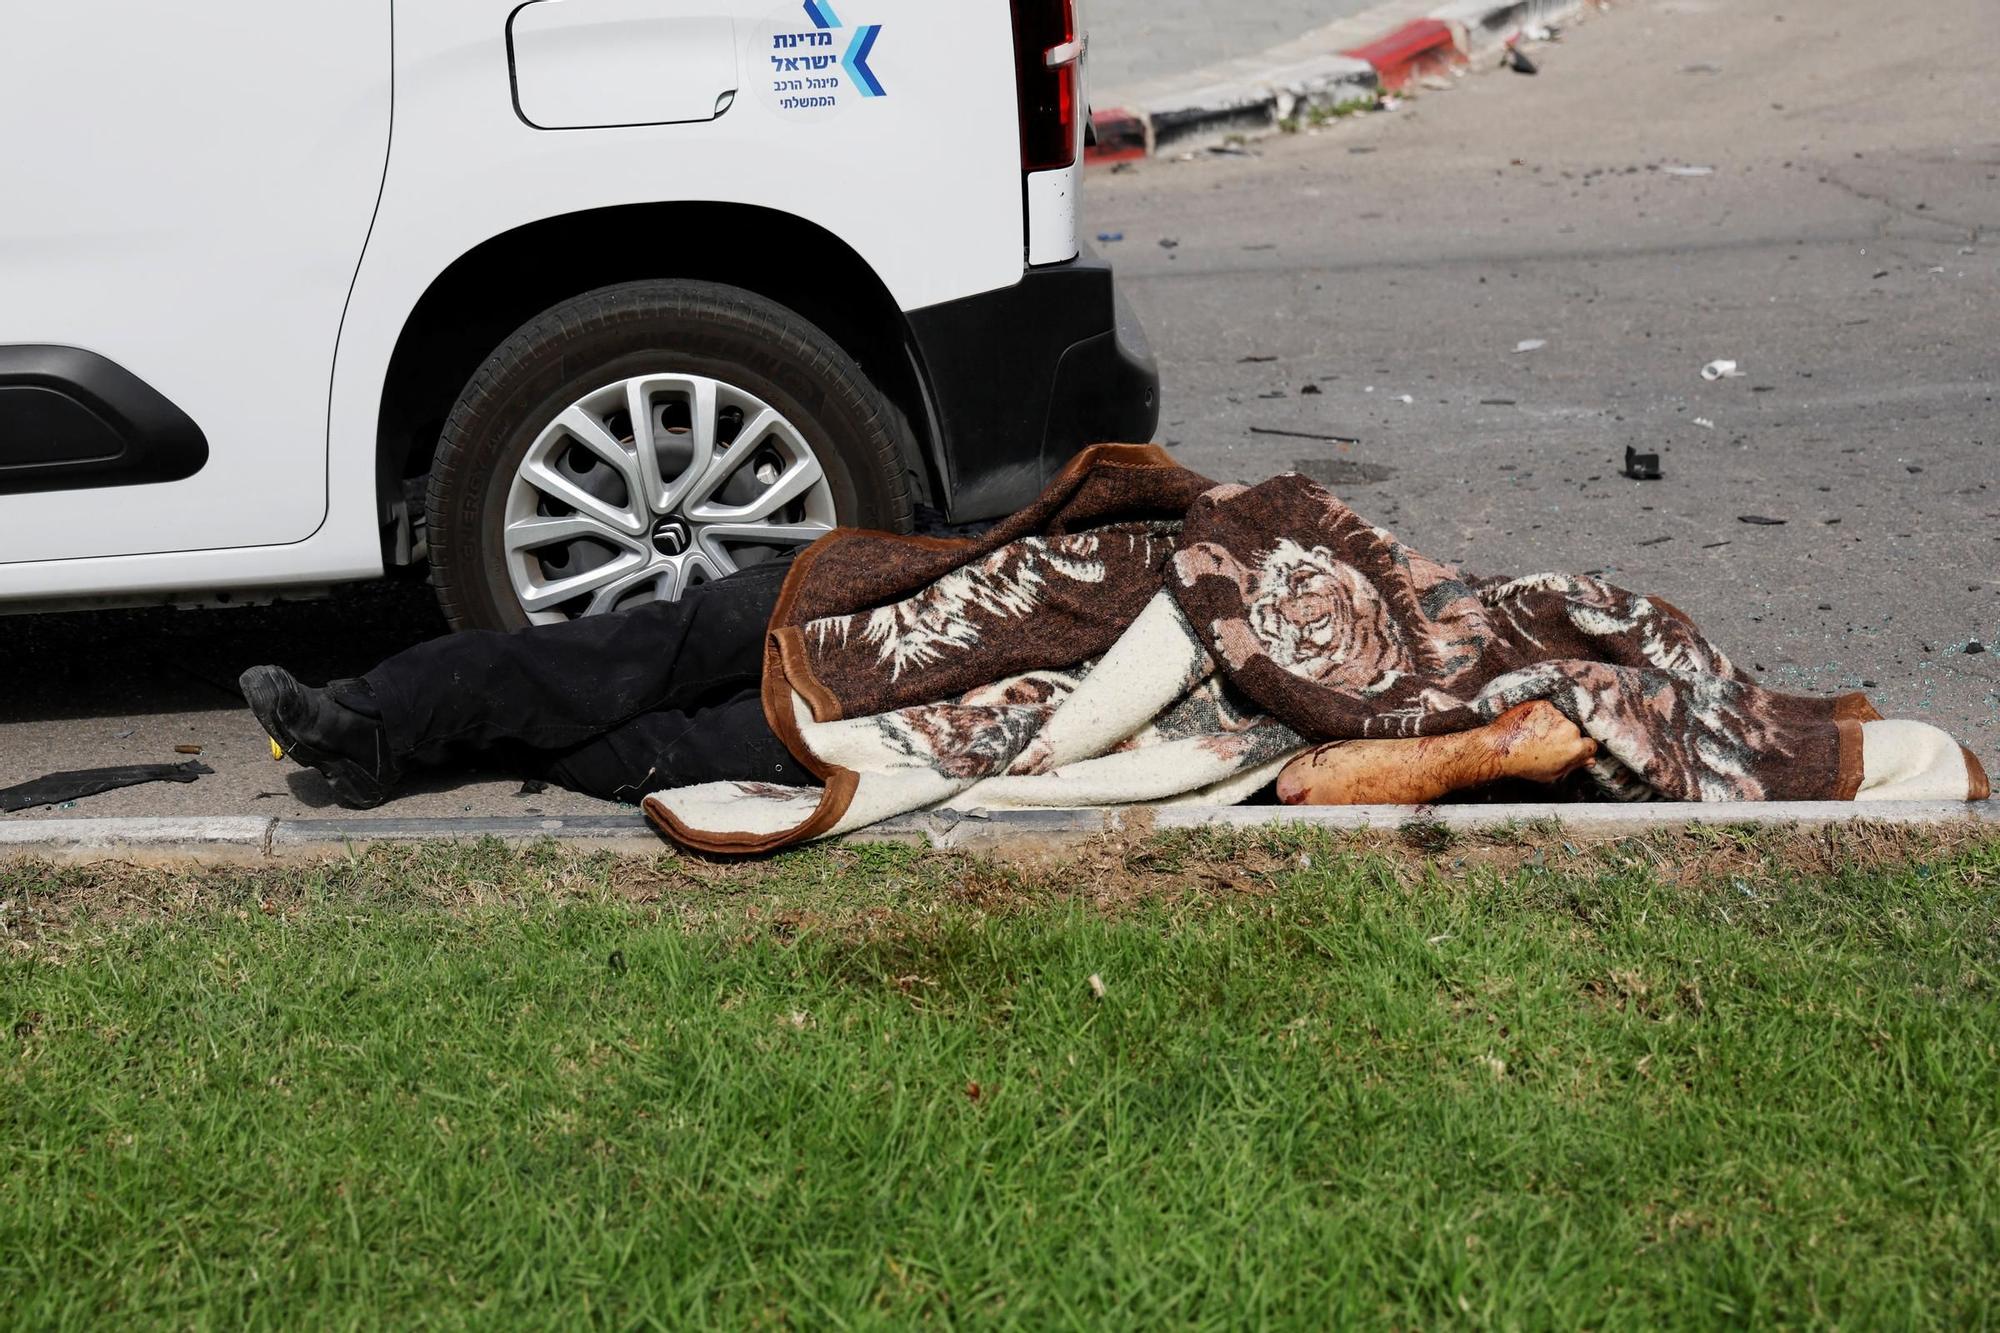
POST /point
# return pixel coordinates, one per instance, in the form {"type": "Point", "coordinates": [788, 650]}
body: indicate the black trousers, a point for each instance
{"type": "Point", "coordinates": [663, 695]}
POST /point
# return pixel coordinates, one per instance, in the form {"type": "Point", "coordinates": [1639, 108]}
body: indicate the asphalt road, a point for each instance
{"type": "Point", "coordinates": [1841, 250]}
{"type": "Point", "coordinates": [1134, 41]}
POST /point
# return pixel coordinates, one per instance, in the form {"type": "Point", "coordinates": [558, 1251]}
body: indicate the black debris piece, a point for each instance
{"type": "Point", "coordinates": [532, 787]}
{"type": "Point", "coordinates": [1641, 467]}
{"type": "Point", "coordinates": [1168, 243]}
{"type": "Point", "coordinates": [1254, 360]}
{"type": "Point", "coordinates": [1760, 520]}
{"type": "Point", "coordinates": [1974, 648]}
{"type": "Point", "coordinates": [1517, 60]}
{"type": "Point", "coordinates": [1303, 435]}
{"type": "Point", "coordinates": [1309, 388]}
{"type": "Point", "coordinates": [1655, 541]}
{"type": "Point", "coordinates": [57, 788]}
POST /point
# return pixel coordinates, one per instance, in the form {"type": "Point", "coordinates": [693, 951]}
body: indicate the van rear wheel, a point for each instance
{"type": "Point", "coordinates": [634, 441]}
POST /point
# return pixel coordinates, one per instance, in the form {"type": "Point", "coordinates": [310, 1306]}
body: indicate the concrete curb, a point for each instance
{"type": "Point", "coordinates": [1343, 65]}
{"type": "Point", "coordinates": [235, 839]}
{"type": "Point", "coordinates": [1014, 830]}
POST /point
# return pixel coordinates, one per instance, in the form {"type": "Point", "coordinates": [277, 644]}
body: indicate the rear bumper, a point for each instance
{"type": "Point", "coordinates": [1018, 380]}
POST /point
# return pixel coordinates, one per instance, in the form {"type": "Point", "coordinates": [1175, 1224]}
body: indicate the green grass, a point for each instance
{"type": "Point", "coordinates": [1708, 1080]}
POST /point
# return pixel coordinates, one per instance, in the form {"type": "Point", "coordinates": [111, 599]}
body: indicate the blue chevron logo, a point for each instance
{"type": "Point", "coordinates": [856, 60]}
{"type": "Point", "coordinates": [821, 13]}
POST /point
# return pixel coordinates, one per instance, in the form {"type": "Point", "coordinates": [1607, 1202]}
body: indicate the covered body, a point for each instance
{"type": "Point", "coordinates": [1140, 634]}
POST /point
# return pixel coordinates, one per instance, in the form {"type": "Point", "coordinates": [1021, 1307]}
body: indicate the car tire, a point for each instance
{"type": "Point", "coordinates": [774, 365]}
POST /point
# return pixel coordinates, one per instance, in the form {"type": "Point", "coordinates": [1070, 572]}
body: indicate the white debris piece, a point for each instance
{"type": "Point", "coordinates": [1704, 423]}
{"type": "Point", "coordinates": [1720, 370]}
{"type": "Point", "coordinates": [1689, 171]}
{"type": "Point", "coordinates": [1531, 344]}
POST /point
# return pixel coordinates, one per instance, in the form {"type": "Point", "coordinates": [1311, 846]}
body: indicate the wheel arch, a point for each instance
{"type": "Point", "coordinates": [493, 289]}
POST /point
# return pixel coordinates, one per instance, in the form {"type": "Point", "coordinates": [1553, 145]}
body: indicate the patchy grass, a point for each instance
{"type": "Point", "coordinates": [1701, 1078]}
{"type": "Point", "coordinates": [1313, 114]}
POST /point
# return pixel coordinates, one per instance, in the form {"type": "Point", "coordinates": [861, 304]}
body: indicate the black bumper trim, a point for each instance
{"type": "Point", "coordinates": [1020, 379]}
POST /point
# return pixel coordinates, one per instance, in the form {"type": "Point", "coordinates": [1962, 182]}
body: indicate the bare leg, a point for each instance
{"type": "Point", "coordinates": [1532, 741]}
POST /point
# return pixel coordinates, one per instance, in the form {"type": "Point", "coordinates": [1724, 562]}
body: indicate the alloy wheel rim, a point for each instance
{"type": "Point", "coordinates": [641, 489]}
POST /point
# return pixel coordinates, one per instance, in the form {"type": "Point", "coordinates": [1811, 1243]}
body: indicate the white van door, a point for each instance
{"type": "Point", "coordinates": [186, 193]}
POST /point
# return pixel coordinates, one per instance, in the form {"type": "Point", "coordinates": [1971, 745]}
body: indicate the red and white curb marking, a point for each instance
{"type": "Point", "coordinates": [1260, 92]}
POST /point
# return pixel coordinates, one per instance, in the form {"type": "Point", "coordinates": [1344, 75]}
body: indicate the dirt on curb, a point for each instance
{"type": "Point", "coordinates": [866, 888]}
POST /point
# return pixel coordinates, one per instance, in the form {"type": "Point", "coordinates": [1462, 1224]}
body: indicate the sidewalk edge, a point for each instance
{"type": "Point", "coordinates": [257, 840]}
{"type": "Point", "coordinates": [1333, 68]}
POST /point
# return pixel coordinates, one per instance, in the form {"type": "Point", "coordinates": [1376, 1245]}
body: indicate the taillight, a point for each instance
{"type": "Point", "coordinates": [1047, 63]}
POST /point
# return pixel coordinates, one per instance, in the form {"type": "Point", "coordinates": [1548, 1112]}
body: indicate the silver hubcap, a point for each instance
{"type": "Point", "coordinates": [644, 488]}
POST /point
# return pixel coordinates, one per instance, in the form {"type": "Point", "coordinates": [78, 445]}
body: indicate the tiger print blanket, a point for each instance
{"type": "Point", "coordinates": [1142, 635]}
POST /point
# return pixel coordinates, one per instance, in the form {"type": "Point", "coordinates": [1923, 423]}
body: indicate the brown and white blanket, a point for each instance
{"type": "Point", "coordinates": [1142, 635]}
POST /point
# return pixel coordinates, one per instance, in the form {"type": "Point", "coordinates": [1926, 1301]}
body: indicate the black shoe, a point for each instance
{"type": "Point", "coordinates": [349, 748]}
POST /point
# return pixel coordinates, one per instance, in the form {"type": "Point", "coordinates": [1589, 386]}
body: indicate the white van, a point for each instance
{"type": "Point", "coordinates": [584, 300]}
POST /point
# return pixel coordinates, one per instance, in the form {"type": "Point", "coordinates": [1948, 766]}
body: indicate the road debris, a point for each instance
{"type": "Point", "coordinates": [1761, 520]}
{"type": "Point", "coordinates": [1253, 360]}
{"type": "Point", "coordinates": [1517, 60]}
{"type": "Point", "coordinates": [1720, 370]}
{"type": "Point", "coordinates": [1110, 237]}
{"type": "Point", "coordinates": [1308, 389]}
{"type": "Point", "coordinates": [1303, 435]}
{"type": "Point", "coordinates": [1169, 243]}
{"type": "Point", "coordinates": [63, 789]}
{"type": "Point", "coordinates": [1689, 171]}
{"type": "Point", "coordinates": [1704, 423]}
{"type": "Point", "coordinates": [1097, 985]}
{"type": "Point", "coordinates": [1641, 467]}
{"type": "Point", "coordinates": [187, 749]}
{"type": "Point", "coordinates": [1974, 648]}
{"type": "Point", "coordinates": [1531, 344]}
